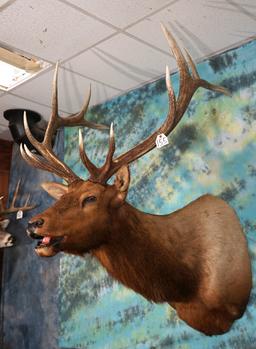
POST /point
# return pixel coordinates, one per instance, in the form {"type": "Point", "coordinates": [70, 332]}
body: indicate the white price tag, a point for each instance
{"type": "Point", "coordinates": [161, 140]}
{"type": "Point", "coordinates": [19, 214]}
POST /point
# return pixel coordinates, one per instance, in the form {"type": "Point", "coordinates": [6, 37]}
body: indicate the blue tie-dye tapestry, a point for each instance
{"type": "Point", "coordinates": [212, 150]}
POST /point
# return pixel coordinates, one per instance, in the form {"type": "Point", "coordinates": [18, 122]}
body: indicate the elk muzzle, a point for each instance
{"type": "Point", "coordinates": [32, 226]}
{"type": "Point", "coordinates": [47, 246]}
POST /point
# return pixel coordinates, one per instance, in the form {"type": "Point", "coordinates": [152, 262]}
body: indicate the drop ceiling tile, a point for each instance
{"type": "Point", "coordinates": [11, 102]}
{"type": "Point", "coordinates": [121, 62]}
{"type": "Point", "coordinates": [3, 3]}
{"type": "Point", "coordinates": [120, 13]}
{"type": "Point", "coordinates": [107, 68]}
{"type": "Point", "coordinates": [72, 90]}
{"type": "Point", "coordinates": [220, 25]}
{"type": "Point", "coordinates": [49, 29]}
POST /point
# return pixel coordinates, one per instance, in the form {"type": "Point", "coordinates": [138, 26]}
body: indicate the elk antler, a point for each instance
{"type": "Point", "coordinates": [13, 208]}
{"type": "Point", "coordinates": [189, 83]}
{"type": "Point", "coordinates": [49, 161]}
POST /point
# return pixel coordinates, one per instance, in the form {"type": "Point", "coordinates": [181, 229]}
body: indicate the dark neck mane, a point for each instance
{"type": "Point", "coordinates": [140, 254]}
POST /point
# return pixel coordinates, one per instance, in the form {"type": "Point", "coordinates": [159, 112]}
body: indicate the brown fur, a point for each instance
{"type": "Point", "coordinates": [196, 258]}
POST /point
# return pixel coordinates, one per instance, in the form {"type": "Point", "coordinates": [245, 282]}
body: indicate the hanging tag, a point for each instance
{"type": "Point", "coordinates": [19, 214]}
{"type": "Point", "coordinates": [161, 140]}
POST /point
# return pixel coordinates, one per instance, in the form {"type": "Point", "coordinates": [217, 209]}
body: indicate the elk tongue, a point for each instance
{"type": "Point", "coordinates": [46, 240]}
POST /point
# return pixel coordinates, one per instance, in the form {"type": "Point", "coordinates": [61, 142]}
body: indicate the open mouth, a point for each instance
{"type": "Point", "coordinates": [46, 241]}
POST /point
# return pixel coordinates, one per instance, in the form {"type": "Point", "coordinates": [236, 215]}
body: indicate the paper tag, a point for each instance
{"type": "Point", "coordinates": [161, 140]}
{"type": "Point", "coordinates": [19, 214]}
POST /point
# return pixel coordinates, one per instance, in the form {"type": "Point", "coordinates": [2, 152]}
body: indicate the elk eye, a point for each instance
{"type": "Point", "coordinates": [88, 200]}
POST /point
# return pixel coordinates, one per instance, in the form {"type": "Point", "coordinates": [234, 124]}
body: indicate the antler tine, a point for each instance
{"type": "Point", "coordinates": [189, 83]}
{"type": "Point", "coordinates": [32, 159]}
{"type": "Point", "coordinates": [15, 194]}
{"type": "Point", "coordinates": [98, 174]}
{"type": "Point", "coordinates": [209, 86]}
{"type": "Point", "coordinates": [31, 138]}
{"type": "Point", "coordinates": [112, 146]}
{"type": "Point", "coordinates": [13, 208]}
{"type": "Point", "coordinates": [176, 51]}
{"type": "Point", "coordinates": [93, 170]}
{"type": "Point", "coordinates": [104, 170]}
{"type": "Point", "coordinates": [41, 163]}
{"type": "Point", "coordinates": [27, 207]}
{"type": "Point", "coordinates": [27, 200]}
{"type": "Point", "coordinates": [78, 119]}
{"type": "Point", "coordinates": [172, 98]}
{"type": "Point", "coordinates": [194, 71]}
{"type": "Point", "coordinates": [49, 161]}
{"type": "Point", "coordinates": [51, 127]}
{"type": "Point", "coordinates": [53, 123]}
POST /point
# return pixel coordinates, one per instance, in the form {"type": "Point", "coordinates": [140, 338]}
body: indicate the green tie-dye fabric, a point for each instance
{"type": "Point", "coordinates": [212, 150]}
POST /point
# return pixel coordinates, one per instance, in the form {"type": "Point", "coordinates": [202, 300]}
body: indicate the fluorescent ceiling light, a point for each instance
{"type": "Point", "coordinates": [16, 68]}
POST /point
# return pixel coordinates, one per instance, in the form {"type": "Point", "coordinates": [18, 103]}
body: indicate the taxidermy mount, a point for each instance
{"type": "Point", "coordinates": [196, 258]}
{"type": "Point", "coordinates": [6, 239]}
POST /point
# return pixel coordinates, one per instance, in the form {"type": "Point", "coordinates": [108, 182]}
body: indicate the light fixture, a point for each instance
{"type": "Point", "coordinates": [16, 68]}
{"type": "Point", "coordinates": [36, 124]}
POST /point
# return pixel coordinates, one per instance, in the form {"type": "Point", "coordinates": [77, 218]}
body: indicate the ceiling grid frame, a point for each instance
{"type": "Point", "coordinates": [135, 30]}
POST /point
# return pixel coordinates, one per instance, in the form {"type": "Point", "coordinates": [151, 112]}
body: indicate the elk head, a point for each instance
{"type": "Point", "coordinates": [81, 219]}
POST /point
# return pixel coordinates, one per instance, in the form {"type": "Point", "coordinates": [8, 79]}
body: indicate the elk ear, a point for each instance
{"type": "Point", "coordinates": [56, 190]}
{"type": "Point", "coordinates": [122, 182]}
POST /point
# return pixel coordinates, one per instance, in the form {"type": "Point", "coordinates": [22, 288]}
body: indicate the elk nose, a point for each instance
{"type": "Point", "coordinates": [32, 226]}
{"type": "Point", "coordinates": [36, 224]}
